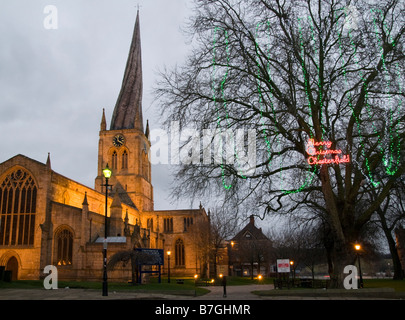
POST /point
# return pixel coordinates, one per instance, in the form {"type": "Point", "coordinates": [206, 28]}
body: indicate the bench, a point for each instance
{"type": "Point", "coordinates": [291, 283]}
{"type": "Point", "coordinates": [300, 283]}
{"type": "Point", "coordinates": [281, 283]}
{"type": "Point", "coordinates": [180, 281]}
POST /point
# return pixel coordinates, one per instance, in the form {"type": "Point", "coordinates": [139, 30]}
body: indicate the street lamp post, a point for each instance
{"type": "Point", "coordinates": [358, 248]}
{"type": "Point", "coordinates": [292, 270]}
{"type": "Point", "coordinates": [195, 284]}
{"type": "Point", "coordinates": [168, 266]}
{"type": "Point", "coordinates": [259, 278]}
{"type": "Point", "coordinates": [223, 283]}
{"type": "Point", "coordinates": [107, 174]}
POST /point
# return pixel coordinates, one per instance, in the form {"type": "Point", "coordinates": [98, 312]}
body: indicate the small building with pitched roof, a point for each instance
{"type": "Point", "coordinates": [249, 251]}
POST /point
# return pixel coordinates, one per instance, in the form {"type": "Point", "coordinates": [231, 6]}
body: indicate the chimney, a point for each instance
{"type": "Point", "coordinates": [252, 219]}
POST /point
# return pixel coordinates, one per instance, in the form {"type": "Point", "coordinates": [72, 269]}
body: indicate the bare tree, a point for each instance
{"type": "Point", "coordinates": [320, 81]}
{"type": "Point", "coordinates": [301, 243]}
{"type": "Point", "coordinates": [223, 225]}
{"type": "Point", "coordinates": [388, 217]}
{"type": "Point", "coordinates": [200, 231]}
{"type": "Point", "coordinates": [253, 251]}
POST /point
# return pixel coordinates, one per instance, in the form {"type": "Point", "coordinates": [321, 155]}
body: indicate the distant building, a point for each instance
{"type": "Point", "coordinates": [249, 252]}
{"type": "Point", "coordinates": [49, 219]}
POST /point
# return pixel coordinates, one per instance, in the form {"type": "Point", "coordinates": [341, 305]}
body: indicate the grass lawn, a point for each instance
{"type": "Point", "coordinates": [188, 288]}
{"type": "Point", "coordinates": [398, 285]}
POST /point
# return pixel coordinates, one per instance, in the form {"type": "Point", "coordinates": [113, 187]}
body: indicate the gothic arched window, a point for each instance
{"type": "Point", "coordinates": [125, 160]}
{"type": "Point", "coordinates": [64, 247]}
{"type": "Point", "coordinates": [18, 199]}
{"type": "Point", "coordinates": [179, 252]}
{"type": "Point", "coordinates": [168, 224]}
{"type": "Point", "coordinates": [114, 160]}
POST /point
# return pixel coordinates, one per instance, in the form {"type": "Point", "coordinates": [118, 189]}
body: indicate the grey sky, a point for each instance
{"type": "Point", "coordinates": [55, 83]}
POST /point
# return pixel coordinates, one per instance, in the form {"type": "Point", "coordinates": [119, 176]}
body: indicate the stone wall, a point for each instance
{"type": "Point", "coordinates": [63, 204]}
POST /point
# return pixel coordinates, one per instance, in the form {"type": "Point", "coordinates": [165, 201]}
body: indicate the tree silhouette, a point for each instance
{"type": "Point", "coordinates": [133, 257]}
{"type": "Point", "coordinates": [316, 80]}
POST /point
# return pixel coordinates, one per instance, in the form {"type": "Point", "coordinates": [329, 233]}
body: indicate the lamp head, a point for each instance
{"type": "Point", "coordinates": [107, 172]}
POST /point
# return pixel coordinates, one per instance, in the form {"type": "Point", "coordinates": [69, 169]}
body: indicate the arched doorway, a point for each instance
{"type": "Point", "coordinates": [12, 265]}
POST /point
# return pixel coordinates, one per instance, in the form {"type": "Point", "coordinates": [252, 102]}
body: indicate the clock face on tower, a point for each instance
{"type": "Point", "coordinates": [118, 140]}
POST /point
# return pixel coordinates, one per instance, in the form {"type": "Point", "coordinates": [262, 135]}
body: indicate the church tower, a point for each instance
{"type": "Point", "coordinates": [125, 146]}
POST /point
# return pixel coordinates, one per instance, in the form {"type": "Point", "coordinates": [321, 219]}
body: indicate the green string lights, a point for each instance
{"type": "Point", "coordinates": [259, 90]}
{"type": "Point", "coordinates": [214, 97]}
{"type": "Point", "coordinates": [388, 143]}
{"type": "Point", "coordinates": [392, 129]}
{"type": "Point", "coordinates": [224, 101]}
{"type": "Point", "coordinates": [368, 174]}
{"type": "Point", "coordinates": [388, 155]}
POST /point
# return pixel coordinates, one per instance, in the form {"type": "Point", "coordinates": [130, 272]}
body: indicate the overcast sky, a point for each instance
{"type": "Point", "coordinates": [54, 83]}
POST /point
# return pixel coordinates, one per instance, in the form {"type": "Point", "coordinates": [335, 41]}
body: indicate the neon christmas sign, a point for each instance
{"type": "Point", "coordinates": [320, 155]}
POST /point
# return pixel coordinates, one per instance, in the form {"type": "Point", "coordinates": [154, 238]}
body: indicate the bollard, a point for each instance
{"type": "Point", "coordinates": [224, 285]}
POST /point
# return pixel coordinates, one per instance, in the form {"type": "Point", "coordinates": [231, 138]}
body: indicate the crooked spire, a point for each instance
{"type": "Point", "coordinates": [128, 109]}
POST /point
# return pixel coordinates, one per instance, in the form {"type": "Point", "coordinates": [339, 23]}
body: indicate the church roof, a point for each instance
{"type": "Point", "coordinates": [128, 109]}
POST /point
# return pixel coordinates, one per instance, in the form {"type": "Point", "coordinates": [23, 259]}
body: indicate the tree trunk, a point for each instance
{"type": "Point", "coordinates": [214, 265]}
{"type": "Point", "coordinates": [342, 232]}
{"type": "Point", "coordinates": [134, 274]}
{"type": "Point", "coordinates": [339, 259]}
{"type": "Point", "coordinates": [398, 272]}
{"type": "Point", "coordinates": [313, 272]}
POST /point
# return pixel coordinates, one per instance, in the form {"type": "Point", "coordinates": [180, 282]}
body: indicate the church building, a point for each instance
{"type": "Point", "coordinates": [49, 219]}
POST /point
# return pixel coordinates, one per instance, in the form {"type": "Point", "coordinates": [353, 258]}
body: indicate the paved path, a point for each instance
{"type": "Point", "coordinates": [161, 306]}
{"type": "Point", "coordinates": [235, 292]}
{"type": "Point", "coordinates": [78, 294]}
{"type": "Point", "coordinates": [216, 293]}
